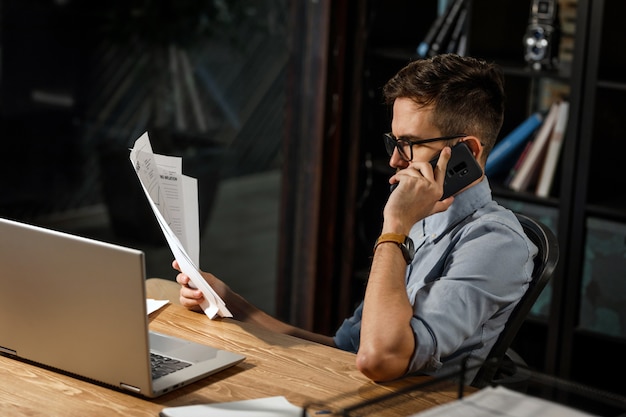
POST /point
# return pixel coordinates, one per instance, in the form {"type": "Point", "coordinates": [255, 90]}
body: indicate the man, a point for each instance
{"type": "Point", "coordinates": [450, 297]}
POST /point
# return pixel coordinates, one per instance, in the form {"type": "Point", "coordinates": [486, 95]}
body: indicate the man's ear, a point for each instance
{"type": "Point", "coordinates": [475, 146]}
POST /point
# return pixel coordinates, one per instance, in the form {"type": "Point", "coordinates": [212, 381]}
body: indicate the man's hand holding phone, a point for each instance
{"type": "Point", "coordinates": [461, 170]}
{"type": "Point", "coordinates": [421, 186]}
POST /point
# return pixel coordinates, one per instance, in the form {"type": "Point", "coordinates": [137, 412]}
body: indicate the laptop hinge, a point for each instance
{"type": "Point", "coordinates": [130, 387]}
{"type": "Point", "coordinates": [8, 351]}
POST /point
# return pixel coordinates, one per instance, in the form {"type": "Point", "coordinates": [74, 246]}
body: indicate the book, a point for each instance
{"type": "Point", "coordinates": [440, 43]}
{"type": "Point", "coordinates": [553, 151]}
{"type": "Point", "coordinates": [550, 90]}
{"type": "Point", "coordinates": [424, 47]}
{"type": "Point", "coordinates": [457, 33]}
{"type": "Point", "coordinates": [500, 157]}
{"type": "Point", "coordinates": [192, 91]}
{"type": "Point", "coordinates": [518, 164]}
{"type": "Point", "coordinates": [461, 47]}
{"type": "Point", "coordinates": [527, 172]}
{"type": "Point", "coordinates": [442, 5]}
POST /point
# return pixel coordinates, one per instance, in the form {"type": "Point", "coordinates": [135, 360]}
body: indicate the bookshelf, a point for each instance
{"type": "Point", "coordinates": [582, 315]}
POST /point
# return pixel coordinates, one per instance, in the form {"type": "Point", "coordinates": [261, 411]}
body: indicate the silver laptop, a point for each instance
{"type": "Point", "coordinates": [78, 306]}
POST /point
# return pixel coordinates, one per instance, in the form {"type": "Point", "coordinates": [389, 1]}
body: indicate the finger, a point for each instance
{"type": "Point", "coordinates": [175, 265]}
{"type": "Point", "coordinates": [421, 169]}
{"type": "Point", "coordinates": [410, 175]}
{"type": "Point", "coordinates": [442, 205]}
{"type": "Point", "coordinates": [444, 157]}
{"type": "Point", "coordinates": [188, 302]}
{"type": "Point", "coordinates": [394, 181]}
{"type": "Point", "coordinates": [412, 170]}
{"type": "Point", "coordinates": [184, 280]}
{"type": "Point", "coordinates": [191, 294]}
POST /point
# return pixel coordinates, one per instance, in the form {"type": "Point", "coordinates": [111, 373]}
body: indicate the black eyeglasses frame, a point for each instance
{"type": "Point", "coordinates": [391, 143]}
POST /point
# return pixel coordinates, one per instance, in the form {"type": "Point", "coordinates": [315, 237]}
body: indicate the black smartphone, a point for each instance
{"type": "Point", "coordinates": [462, 170]}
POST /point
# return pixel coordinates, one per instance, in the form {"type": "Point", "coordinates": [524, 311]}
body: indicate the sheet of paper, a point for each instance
{"type": "Point", "coordinates": [174, 194]}
{"type": "Point", "coordinates": [213, 305]}
{"type": "Point", "coordinates": [261, 407]}
{"type": "Point", "coordinates": [153, 305]}
{"type": "Point", "coordinates": [191, 228]}
{"type": "Point", "coordinates": [146, 169]}
{"type": "Point", "coordinates": [180, 197]}
{"type": "Point", "coordinates": [177, 214]}
{"type": "Point", "coordinates": [499, 401]}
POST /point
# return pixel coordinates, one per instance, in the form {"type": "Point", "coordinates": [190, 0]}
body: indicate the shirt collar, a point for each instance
{"type": "Point", "coordinates": [464, 204]}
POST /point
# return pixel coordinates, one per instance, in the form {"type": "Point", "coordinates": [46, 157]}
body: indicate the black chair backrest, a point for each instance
{"type": "Point", "coordinates": [545, 264]}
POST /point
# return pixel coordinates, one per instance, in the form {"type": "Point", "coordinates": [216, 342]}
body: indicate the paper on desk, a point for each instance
{"type": "Point", "coordinates": [173, 198]}
{"type": "Point", "coordinates": [262, 407]}
{"type": "Point", "coordinates": [499, 401]}
{"type": "Point", "coordinates": [153, 305]}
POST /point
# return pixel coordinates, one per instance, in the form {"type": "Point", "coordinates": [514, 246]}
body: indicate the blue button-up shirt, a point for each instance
{"type": "Point", "coordinates": [473, 262]}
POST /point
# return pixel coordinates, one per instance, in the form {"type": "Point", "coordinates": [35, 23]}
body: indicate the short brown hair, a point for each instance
{"type": "Point", "coordinates": [467, 94]}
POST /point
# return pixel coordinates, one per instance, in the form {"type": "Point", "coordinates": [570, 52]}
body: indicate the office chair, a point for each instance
{"type": "Point", "coordinates": [503, 365]}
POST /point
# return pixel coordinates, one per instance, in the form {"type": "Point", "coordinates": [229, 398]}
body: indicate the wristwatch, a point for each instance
{"type": "Point", "coordinates": [404, 242]}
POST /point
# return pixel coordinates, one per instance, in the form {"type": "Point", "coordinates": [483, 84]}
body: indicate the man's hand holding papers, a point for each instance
{"type": "Point", "coordinates": [173, 198]}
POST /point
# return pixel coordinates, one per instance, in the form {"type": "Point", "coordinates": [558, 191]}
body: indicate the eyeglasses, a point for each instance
{"type": "Point", "coordinates": [405, 146]}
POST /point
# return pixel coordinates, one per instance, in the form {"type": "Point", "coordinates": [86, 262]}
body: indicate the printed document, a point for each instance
{"type": "Point", "coordinates": [173, 198]}
{"type": "Point", "coordinates": [498, 402]}
{"type": "Point", "coordinates": [260, 407]}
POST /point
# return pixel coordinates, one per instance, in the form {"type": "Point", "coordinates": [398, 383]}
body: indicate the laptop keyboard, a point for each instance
{"type": "Point", "coordinates": [162, 365]}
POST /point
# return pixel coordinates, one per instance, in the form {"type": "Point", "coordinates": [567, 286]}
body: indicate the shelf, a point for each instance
{"type": "Point", "coordinates": [611, 85]}
{"type": "Point", "coordinates": [562, 73]}
{"type": "Point", "coordinates": [523, 196]}
{"type": "Point", "coordinates": [615, 213]}
{"type": "Point", "coordinates": [591, 160]}
{"type": "Point", "coordinates": [401, 54]}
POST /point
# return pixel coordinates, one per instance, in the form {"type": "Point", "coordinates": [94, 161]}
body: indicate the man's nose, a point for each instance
{"type": "Point", "coordinates": [396, 161]}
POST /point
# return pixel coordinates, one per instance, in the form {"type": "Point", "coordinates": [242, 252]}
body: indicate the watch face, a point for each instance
{"type": "Point", "coordinates": [409, 244]}
{"type": "Point", "coordinates": [410, 249]}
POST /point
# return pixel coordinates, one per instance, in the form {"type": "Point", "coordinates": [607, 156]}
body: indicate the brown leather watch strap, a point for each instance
{"type": "Point", "coordinates": [390, 237]}
{"type": "Point", "coordinates": [402, 241]}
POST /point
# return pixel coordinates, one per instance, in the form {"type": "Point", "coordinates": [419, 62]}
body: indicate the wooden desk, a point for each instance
{"type": "Point", "coordinates": [275, 364]}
